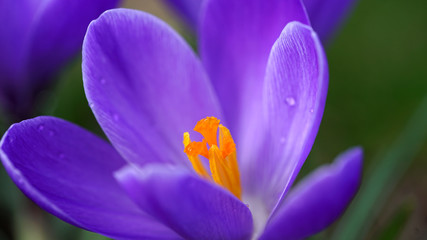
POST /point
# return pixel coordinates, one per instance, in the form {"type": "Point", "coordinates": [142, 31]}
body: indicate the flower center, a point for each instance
{"type": "Point", "coordinates": [222, 160]}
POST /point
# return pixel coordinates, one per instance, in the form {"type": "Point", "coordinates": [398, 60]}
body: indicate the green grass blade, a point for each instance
{"type": "Point", "coordinates": [382, 178]}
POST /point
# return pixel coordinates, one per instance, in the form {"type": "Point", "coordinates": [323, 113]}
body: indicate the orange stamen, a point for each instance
{"type": "Point", "coordinates": [197, 148]}
{"type": "Point", "coordinates": [226, 142]}
{"type": "Point", "coordinates": [194, 159]}
{"type": "Point", "coordinates": [222, 160]}
{"type": "Point", "coordinates": [208, 128]}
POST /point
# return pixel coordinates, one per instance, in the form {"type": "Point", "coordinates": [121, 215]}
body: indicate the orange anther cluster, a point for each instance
{"type": "Point", "coordinates": [222, 160]}
{"type": "Point", "coordinates": [197, 148]}
{"type": "Point", "coordinates": [208, 127]}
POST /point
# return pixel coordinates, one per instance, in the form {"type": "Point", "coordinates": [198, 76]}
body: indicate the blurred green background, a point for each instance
{"type": "Point", "coordinates": [377, 99]}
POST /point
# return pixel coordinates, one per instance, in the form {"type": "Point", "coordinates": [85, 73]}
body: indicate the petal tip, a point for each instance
{"type": "Point", "coordinates": [354, 155]}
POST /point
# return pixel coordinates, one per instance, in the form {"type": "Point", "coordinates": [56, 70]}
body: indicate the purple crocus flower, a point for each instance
{"type": "Point", "coordinates": [38, 38]}
{"type": "Point", "coordinates": [325, 15]}
{"type": "Point", "coordinates": [263, 74]}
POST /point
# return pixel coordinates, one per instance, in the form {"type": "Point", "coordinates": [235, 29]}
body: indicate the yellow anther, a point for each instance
{"type": "Point", "coordinates": [222, 161]}
{"type": "Point", "coordinates": [187, 139]}
{"type": "Point", "coordinates": [226, 142]}
{"type": "Point", "coordinates": [224, 172]}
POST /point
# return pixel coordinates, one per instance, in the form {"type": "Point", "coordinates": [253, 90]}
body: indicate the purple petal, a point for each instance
{"type": "Point", "coordinates": [236, 39]}
{"type": "Point", "coordinates": [318, 200]}
{"type": "Point", "coordinates": [189, 10]}
{"type": "Point", "coordinates": [295, 90]}
{"type": "Point", "coordinates": [145, 85]}
{"type": "Point", "coordinates": [69, 172]}
{"type": "Point", "coordinates": [326, 15]}
{"type": "Point", "coordinates": [38, 39]}
{"type": "Point", "coordinates": [193, 207]}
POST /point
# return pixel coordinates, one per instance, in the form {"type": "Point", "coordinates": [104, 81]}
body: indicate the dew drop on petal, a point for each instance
{"type": "Point", "coordinates": [51, 133]}
{"type": "Point", "coordinates": [311, 110]}
{"type": "Point", "coordinates": [61, 156]}
{"type": "Point", "coordinates": [282, 140]}
{"type": "Point", "coordinates": [91, 105]}
{"type": "Point", "coordinates": [11, 139]}
{"type": "Point", "coordinates": [116, 117]}
{"type": "Point", "coordinates": [20, 180]}
{"type": "Point", "coordinates": [40, 127]}
{"type": "Point", "coordinates": [103, 81]}
{"type": "Point", "coordinates": [290, 101]}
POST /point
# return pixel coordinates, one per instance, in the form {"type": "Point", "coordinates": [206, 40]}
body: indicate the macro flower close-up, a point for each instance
{"type": "Point", "coordinates": [199, 148]}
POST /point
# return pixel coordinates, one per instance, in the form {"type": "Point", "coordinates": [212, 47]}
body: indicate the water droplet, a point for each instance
{"type": "Point", "coordinates": [51, 133]}
{"type": "Point", "coordinates": [103, 81]}
{"type": "Point", "coordinates": [116, 117]}
{"type": "Point", "coordinates": [11, 139]}
{"type": "Point", "coordinates": [19, 179]}
{"type": "Point", "coordinates": [290, 101]}
{"type": "Point", "coordinates": [311, 110]}
{"type": "Point", "coordinates": [282, 140]}
{"type": "Point", "coordinates": [61, 156]}
{"type": "Point", "coordinates": [40, 127]}
{"type": "Point", "coordinates": [91, 105]}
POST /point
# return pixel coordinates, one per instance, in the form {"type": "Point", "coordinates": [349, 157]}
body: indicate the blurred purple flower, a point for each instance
{"type": "Point", "coordinates": [147, 87]}
{"type": "Point", "coordinates": [325, 15]}
{"type": "Point", "coordinates": [38, 38]}
{"type": "Point", "coordinates": [188, 10]}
